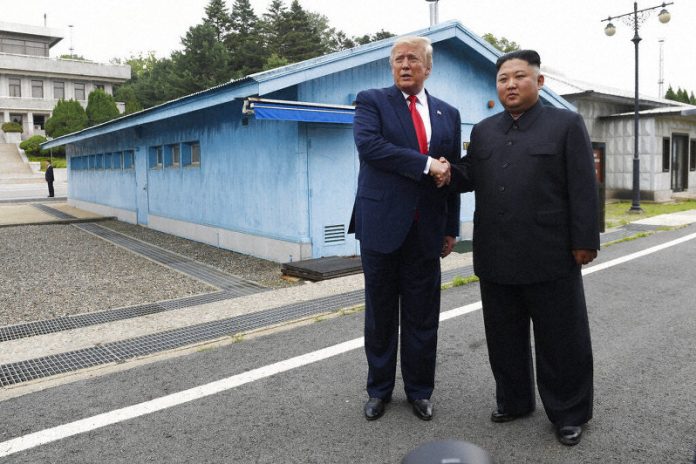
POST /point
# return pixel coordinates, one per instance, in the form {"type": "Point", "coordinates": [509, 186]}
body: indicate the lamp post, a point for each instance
{"type": "Point", "coordinates": [634, 19]}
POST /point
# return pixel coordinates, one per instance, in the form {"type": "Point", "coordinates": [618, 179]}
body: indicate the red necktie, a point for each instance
{"type": "Point", "coordinates": [418, 124]}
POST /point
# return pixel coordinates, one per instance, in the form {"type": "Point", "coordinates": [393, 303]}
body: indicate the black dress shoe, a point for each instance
{"type": "Point", "coordinates": [374, 408]}
{"type": "Point", "coordinates": [499, 416]}
{"type": "Point", "coordinates": [569, 435]}
{"type": "Point", "coordinates": [423, 409]}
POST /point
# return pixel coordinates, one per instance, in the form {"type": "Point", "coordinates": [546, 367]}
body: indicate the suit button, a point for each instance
{"type": "Point", "coordinates": [505, 165]}
{"type": "Point", "coordinates": [501, 188]}
{"type": "Point", "coordinates": [508, 143]}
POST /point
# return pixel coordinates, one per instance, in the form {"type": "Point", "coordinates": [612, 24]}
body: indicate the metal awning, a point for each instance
{"type": "Point", "coordinates": [285, 110]}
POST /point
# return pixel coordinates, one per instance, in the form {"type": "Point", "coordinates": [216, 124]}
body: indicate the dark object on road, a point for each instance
{"type": "Point", "coordinates": [448, 451]}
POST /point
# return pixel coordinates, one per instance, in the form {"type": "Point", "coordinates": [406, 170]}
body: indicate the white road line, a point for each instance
{"type": "Point", "coordinates": [60, 432]}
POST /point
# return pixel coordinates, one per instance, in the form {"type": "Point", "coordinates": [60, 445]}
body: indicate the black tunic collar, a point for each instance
{"type": "Point", "coordinates": [522, 123]}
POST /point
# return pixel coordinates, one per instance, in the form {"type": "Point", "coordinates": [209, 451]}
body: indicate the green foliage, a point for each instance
{"type": "Point", "coordinates": [502, 44]}
{"type": "Point", "coordinates": [681, 95]}
{"type": "Point", "coordinates": [68, 116]}
{"type": "Point", "coordinates": [12, 127]}
{"type": "Point", "coordinates": [126, 94]}
{"type": "Point", "coordinates": [101, 107]}
{"type": "Point", "coordinates": [229, 45]}
{"type": "Point", "coordinates": [31, 146]}
{"type": "Point", "coordinates": [217, 16]}
{"type": "Point", "coordinates": [73, 57]}
{"type": "Point", "coordinates": [203, 63]}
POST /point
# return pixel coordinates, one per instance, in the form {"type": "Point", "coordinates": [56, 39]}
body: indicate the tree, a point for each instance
{"type": "Point", "coordinates": [68, 116]}
{"type": "Point", "coordinates": [126, 94]}
{"type": "Point", "coordinates": [217, 16]}
{"type": "Point", "coordinates": [303, 39]}
{"type": "Point", "coordinates": [247, 52]}
{"type": "Point", "coordinates": [502, 44]}
{"type": "Point", "coordinates": [273, 27]}
{"type": "Point", "coordinates": [101, 107]}
{"type": "Point", "coordinates": [202, 64]}
{"type": "Point", "coordinates": [670, 94]}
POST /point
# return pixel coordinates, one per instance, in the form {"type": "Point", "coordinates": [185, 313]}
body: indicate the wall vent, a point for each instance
{"type": "Point", "coordinates": [335, 235]}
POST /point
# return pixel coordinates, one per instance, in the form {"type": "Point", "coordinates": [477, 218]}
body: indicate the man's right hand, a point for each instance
{"type": "Point", "coordinates": [441, 172]}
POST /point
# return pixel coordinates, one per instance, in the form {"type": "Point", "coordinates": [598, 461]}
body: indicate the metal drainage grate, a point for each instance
{"type": "Point", "coordinates": [207, 274]}
{"type": "Point", "coordinates": [53, 212]}
{"type": "Point", "coordinates": [121, 351]}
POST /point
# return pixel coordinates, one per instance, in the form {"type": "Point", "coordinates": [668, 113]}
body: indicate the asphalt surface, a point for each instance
{"type": "Point", "coordinates": [642, 318]}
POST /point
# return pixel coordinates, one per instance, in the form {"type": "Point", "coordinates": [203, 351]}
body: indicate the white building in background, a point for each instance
{"type": "Point", "coordinates": [31, 83]}
{"type": "Point", "coordinates": [667, 138]}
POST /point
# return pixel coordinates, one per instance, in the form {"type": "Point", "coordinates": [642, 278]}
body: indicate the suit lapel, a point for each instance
{"type": "Point", "coordinates": [436, 115]}
{"type": "Point", "coordinates": [400, 107]}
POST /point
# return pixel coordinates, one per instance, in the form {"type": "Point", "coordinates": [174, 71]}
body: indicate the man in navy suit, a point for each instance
{"type": "Point", "coordinates": [535, 225]}
{"type": "Point", "coordinates": [405, 222]}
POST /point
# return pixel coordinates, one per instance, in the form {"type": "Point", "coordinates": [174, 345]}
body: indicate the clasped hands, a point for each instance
{"type": "Point", "coordinates": [440, 171]}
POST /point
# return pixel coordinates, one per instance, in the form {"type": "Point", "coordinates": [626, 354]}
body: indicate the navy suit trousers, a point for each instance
{"type": "Point", "coordinates": [402, 284]}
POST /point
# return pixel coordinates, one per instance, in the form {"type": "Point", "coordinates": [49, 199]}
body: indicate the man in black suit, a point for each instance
{"type": "Point", "coordinates": [405, 222]}
{"type": "Point", "coordinates": [49, 178]}
{"type": "Point", "coordinates": [535, 225]}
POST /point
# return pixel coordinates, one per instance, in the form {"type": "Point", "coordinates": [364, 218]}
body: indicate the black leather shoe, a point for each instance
{"type": "Point", "coordinates": [374, 408]}
{"type": "Point", "coordinates": [423, 409]}
{"type": "Point", "coordinates": [569, 435]}
{"type": "Point", "coordinates": [499, 416]}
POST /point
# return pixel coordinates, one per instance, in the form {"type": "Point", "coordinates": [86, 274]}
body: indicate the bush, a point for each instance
{"type": "Point", "coordinates": [101, 107]}
{"type": "Point", "coordinates": [12, 127]}
{"type": "Point", "coordinates": [68, 116]}
{"type": "Point", "coordinates": [31, 145]}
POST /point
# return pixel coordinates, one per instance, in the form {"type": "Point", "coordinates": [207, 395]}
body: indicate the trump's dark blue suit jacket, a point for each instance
{"type": "Point", "coordinates": [392, 185]}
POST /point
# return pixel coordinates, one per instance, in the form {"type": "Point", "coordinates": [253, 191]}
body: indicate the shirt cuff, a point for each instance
{"type": "Point", "coordinates": [427, 165]}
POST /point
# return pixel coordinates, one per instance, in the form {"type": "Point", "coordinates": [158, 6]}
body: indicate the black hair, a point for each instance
{"type": "Point", "coordinates": [530, 56]}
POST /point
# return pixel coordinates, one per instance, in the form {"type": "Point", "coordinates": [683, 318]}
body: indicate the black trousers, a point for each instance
{"type": "Point", "coordinates": [403, 284]}
{"type": "Point", "coordinates": [561, 342]}
{"type": "Point", "coordinates": [50, 188]}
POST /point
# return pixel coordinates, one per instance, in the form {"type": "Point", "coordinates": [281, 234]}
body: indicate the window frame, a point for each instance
{"type": "Point", "coordinates": [16, 85]}
{"type": "Point", "coordinates": [83, 89]}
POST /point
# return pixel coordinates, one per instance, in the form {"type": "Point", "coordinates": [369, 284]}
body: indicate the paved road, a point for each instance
{"type": "Point", "coordinates": [642, 316]}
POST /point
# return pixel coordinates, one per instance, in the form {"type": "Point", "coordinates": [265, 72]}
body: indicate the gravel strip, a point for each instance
{"type": "Point", "coordinates": [58, 270]}
{"type": "Point", "coordinates": [266, 273]}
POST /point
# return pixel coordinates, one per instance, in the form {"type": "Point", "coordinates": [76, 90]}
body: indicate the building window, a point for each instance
{"type": "Point", "coordinates": [156, 157]}
{"type": "Point", "coordinates": [91, 163]}
{"type": "Point", "coordinates": [117, 160]}
{"type": "Point", "coordinates": [23, 47]}
{"type": "Point", "coordinates": [15, 87]}
{"type": "Point", "coordinates": [107, 160]}
{"type": "Point", "coordinates": [128, 159]}
{"type": "Point", "coordinates": [79, 91]}
{"type": "Point", "coordinates": [191, 154]}
{"type": "Point", "coordinates": [692, 156]}
{"type": "Point", "coordinates": [36, 89]}
{"type": "Point", "coordinates": [100, 161]}
{"type": "Point", "coordinates": [100, 86]}
{"type": "Point", "coordinates": [665, 154]}
{"type": "Point", "coordinates": [172, 156]}
{"type": "Point", "coordinates": [59, 90]}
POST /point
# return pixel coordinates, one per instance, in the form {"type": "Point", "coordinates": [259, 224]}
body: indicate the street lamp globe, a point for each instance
{"type": "Point", "coordinates": [664, 16]}
{"type": "Point", "coordinates": [610, 29]}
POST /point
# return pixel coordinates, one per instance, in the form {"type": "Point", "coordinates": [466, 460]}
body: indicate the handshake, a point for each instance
{"type": "Point", "coordinates": [441, 171]}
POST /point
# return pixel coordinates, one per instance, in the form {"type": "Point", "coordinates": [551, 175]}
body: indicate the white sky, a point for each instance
{"type": "Point", "coordinates": [567, 33]}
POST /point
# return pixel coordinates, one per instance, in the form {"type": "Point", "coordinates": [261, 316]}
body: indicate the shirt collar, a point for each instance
{"type": "Point", "coordinates": [422, 97]}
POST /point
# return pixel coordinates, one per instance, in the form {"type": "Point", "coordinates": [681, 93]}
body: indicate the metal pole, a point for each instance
{"type": "Point", "coordinates": [635, 206]}
{"type": "Point", "coordinates": [433, 13]}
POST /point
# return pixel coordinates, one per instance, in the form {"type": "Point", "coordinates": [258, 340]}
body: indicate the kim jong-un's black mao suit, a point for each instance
{"type": "Point", "coordinates": [536, 201]}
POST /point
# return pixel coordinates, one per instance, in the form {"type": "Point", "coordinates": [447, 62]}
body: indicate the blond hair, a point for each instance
{"type": "Point", "coordinates": [415, 41]}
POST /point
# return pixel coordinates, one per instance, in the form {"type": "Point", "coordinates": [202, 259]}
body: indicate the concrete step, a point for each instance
{"type": "Point", "coordinates": [12, 164]}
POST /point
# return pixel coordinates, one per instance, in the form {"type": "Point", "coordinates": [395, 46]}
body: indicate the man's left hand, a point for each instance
{"type": "Point", "coordinates": [448, 245]}
{"type": "Point", "coordinates": [584, 256]}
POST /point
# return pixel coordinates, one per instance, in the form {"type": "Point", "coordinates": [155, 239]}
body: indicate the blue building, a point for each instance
{"type": "Point", "coordinates": [266, 165]}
